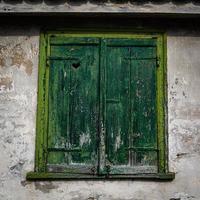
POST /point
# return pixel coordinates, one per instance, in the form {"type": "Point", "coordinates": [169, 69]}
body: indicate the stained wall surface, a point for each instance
{"type": "Point", "coordinates": [19, 50]}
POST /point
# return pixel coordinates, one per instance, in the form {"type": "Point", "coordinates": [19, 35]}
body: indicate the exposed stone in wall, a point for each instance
{"type": "Point", "coordinates": [6, 84]}
{"type": "Point", "coordinates": [45, 187]}
{"type": "Point", "coordinates": [14, 55]}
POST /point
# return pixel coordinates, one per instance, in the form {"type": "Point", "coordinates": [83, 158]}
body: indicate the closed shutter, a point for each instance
{"type": "Point", "coordinates": [130, 106]}
{"type": "Point", "coordinates": [73, 105]}
{"type": "Point", "coordinates": [102, 106]}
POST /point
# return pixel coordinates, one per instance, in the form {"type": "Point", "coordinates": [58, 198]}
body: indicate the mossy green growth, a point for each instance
{"type": "Point", "coordinates": [136, 56]}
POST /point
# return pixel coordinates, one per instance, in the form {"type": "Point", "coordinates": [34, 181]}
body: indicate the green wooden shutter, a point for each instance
{"type": "Point", "coordinates": [130, 106]}
{"type": "Point", "coordinates": [102, 106]}
{"type": "Point", "coordinates": [73, 105]}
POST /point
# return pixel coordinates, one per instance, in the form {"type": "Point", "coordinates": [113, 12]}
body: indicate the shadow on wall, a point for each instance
{"type": "Point", "coordinates": [78, 2]}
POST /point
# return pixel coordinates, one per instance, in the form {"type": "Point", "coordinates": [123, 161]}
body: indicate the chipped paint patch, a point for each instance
{"type": "Point", "coordinates": [17, 168]}
{"type": "Point", "coordinates": [2, 62]}
{"type": "Point", "coordinates": [16, 55]}
{"type": "Point", "coordinates": [183, 196]}
{"type": "Point", "coordinates": [19, 59]}
{"type": "Point", "coordinates": [85, 139]}
{"type": "Point", "coordinates": [6, 84]}
{"type": "Point", "coordinates": [2, 59]}
{"type": "Point", "coordinates": [45, 187]}
{"type": "Point", "coordinates": [118, 141]}
{"type": "Point", "coordinates": [28, 66]}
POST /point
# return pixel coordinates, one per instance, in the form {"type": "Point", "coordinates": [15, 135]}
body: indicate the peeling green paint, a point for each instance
{"type": "Point", "coordinates": [43, 105]}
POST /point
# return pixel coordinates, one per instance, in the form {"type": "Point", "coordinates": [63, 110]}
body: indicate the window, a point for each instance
{"type": "Point", "coordinates": [101, 107]}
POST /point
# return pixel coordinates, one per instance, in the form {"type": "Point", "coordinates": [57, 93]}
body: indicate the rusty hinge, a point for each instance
{"type": "Point", "coordinates": [47, 62]}
{"type": "Point", "coordinates": [107, 169]}
{"type": "Point", "coordinates": [157, 61]}
{"type": "Point", "coordinates": [93, 170]}
{"type": "Point", "coordinates": [44, 149]}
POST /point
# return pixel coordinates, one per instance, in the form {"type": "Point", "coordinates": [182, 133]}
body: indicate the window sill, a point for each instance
{"type": "Point", "coordinates": [31, 176]}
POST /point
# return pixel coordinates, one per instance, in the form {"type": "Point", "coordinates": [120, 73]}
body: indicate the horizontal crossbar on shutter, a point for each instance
{"type": "Point", "coordinates": [73, 41]}
{"type": "Point", "coordinates": [132, 42]}
{"type": "Point", "coordinates": [63, 149]}
{"type": "Point", "coordinates": [142, 149]}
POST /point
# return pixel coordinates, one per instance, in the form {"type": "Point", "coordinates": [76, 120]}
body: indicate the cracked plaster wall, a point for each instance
{"type": "Point", "coordinates": [18, 99]}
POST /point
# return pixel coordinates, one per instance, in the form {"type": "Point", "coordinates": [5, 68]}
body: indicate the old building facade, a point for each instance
{"type": "Point", "coordinates": [22, 24]}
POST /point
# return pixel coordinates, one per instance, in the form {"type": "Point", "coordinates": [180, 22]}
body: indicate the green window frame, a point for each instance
{"type": "Point", "coordinates": [118, 106]}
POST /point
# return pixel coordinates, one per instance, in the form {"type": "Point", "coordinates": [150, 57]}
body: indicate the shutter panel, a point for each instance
{"type": "Point", "coordinates": [73, 105]}
{"type": "Point", "coordinates": [130, 106]}
{"type": "Point", "coordinates": [117, 105]}
{"type": "Point", "coordinates": [124, 92]}
{"type": "Point", "coordinates": [143, 149]}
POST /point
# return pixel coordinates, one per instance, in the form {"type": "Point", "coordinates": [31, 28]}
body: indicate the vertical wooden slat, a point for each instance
{"type": "Point", "coordinates": [143, 86]}
{"type": "Point", "coordinates": [162, 104]}
{"type": "Point", "coordinates": [144, 135]}
{"type": "Point", "coordinates": [42, 112]}
{"type": "Point", "coordinates": [73, 106]}
{"type": "Point", "coordinates": [58, 109]}
{"type": "Point", "coordinates": [102, 108]}
{"type": "Point", "coordinates": [117, 105]}
{"type": "Point", "coordinates": [130, 108]}
{"type": "Point", "coordinates": [84, 105]}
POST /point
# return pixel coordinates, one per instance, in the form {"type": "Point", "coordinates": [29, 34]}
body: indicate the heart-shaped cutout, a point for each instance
{"type": "Point", "coordinates": [75, 65]}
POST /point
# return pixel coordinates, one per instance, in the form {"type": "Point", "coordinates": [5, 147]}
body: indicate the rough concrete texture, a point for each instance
{"type": "Point", "coordinates": [18, 99]}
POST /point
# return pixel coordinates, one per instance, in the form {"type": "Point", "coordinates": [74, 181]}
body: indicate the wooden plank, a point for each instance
{"type": "Point", "coordinates": [102, 110]}
{"type": "Point", "coordinates": [42, 108]}
{"type": "Point", "coordinates": [31, 176]}
{"type": "Point", "coordinates": [58, 109]}
{"type": "Point", "coordinates": [73, 106]}
{"type": "Point", "coordinates": [143, 84]}
{"type": "Point", "coordinates": [143, 106]}
{"type": "Point", "coordinates": [130, 110]}
{"type": "Point", "coordinates": [84, 100]}
{"type": "Point", "coordinates": [117, 111]}
{"type": "Point", "coordinates": [131, 42]}
{"type": "Point", "coordinates": [161, 98]}
{"type": "Point", "coordinates": [54, 40]}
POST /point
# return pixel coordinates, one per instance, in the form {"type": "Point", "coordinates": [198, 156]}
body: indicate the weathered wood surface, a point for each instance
{"type": "Point", "coordinates": [167, 7]}
{"type": "Point", "coordinates": [73, 104]}
{"type": "Point", "coordinates": [126, 80]}
{"type": "Point", "coordinates": [130, 70]}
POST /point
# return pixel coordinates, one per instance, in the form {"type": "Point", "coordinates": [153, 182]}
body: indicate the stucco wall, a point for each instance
{"type": "Point", "coordinates": [18, 98]}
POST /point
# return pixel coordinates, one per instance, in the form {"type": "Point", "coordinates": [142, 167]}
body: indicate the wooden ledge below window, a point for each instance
{"type": "Point", "coordinates": [31, 176]}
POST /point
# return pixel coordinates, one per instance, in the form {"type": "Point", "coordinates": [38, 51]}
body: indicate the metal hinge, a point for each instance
{"type": "Point", "coordinates": [45, 151]}
{"type": "Point", "coordinates": [47, 62]}
{"type": "Point", "coordinates": [157, 61]}
{"type": "Point", "coordinates": [107, 169]}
